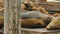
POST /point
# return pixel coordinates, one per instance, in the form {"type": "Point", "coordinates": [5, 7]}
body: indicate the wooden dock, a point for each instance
{"type": "Point", "coordinates": [39, 31]}
{"type": "Point", "coordinates": [54, 6]}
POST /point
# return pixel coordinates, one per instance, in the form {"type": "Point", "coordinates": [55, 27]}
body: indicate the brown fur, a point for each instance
{"type": "Point", "coordinates": [32, 22]}
{"type": "Point", "coordinates": [34, 14]}
{"type": "Point", "coordinates": [55, 24]}
{"type": "Point", "coordinates": [42, 10]}
{"type": "Point", "coordinates": [56, 14]}
{"type": "Point", "coordinates": [1, 19]}
{"type": "Point", "coordinates": [22, 6]}
{"type": "Point", "coordinates": [1, 14]}
{"type": "Point", "coordinates": [1, 11]}
{"type": "Point", "coordinates": [34, 8]}
{"type": "Point", "coordinates": [2, 4]}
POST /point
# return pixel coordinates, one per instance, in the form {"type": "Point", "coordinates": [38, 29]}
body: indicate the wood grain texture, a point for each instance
{"type": "Point", "coordinates": [39, 31]}
{"type": "Point", "coordinates": [11, 16]}
{"type": "Point", "coordinates": [50, 6]}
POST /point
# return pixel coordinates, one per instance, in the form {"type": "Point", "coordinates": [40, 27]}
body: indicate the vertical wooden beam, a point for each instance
{"type": "Point", "coordinates": [19, 18]}
{"type": "Point", "coordinates": [6, 16]}
{"type": "Point", "coordinates": [12, 17]}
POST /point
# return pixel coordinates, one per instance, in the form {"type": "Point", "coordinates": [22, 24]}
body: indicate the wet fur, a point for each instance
{"type": "Point", "coordinates": [56, 14]}
{"type": "Point", "coordinates": [32, 23]}
{"type": "Point", "coordinates": [54, 25]}
{"type": "Point", "coordinates": [34, 14]}
{"type": "Point", "coordinates": [1, 21]}
{"type": "Point", "coordinates": [32, 7]}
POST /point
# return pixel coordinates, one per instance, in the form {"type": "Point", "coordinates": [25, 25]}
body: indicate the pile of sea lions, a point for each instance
{"type": "Point", "coordinates": [34, 17]}
{"type": "Point", "coordinates": [38, 17]}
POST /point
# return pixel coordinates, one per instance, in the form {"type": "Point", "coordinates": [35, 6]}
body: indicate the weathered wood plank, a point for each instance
{"type": "Point", "coordinates": [12, 17]}
{"type": "Point", "coordinates": [39, 31]}
{"type": "Point", "coordinates": [18, 18]}
{"type": "Point", "coordinates": [50, 6]}
{"type": "Point", "coordinates": [6, 17]}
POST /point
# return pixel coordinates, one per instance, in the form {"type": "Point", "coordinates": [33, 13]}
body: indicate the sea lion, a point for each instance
{"type": "Point", "coordinates": [32, 23]}
{"type": "Point", "coordinates": [54, 25]}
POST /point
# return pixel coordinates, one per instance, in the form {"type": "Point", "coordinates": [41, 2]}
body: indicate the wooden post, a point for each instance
{"type": "Point", "coordinates": [12, 17]}
{"type": "Point", "coordinates": [18, 18]}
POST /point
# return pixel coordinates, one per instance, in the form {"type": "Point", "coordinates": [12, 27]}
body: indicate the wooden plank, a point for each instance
{"type": "Point", "coordinates": [50, 6]}
{"type": "Point", "coordinates": [6, 17]}
{"type": "Point", "coordinates": [39, 31]}
{"type": "Point", "coordinates": [12, 17]}
{"type": "Point", "coordinates": [18, 16]}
